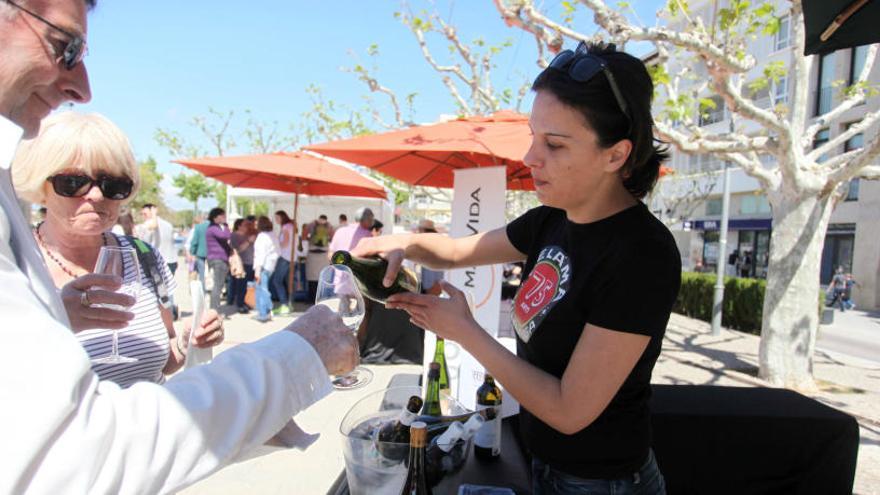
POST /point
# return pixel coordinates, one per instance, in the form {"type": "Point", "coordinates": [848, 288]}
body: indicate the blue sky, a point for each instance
{"type": "Point", "coordinates": [160, 63]}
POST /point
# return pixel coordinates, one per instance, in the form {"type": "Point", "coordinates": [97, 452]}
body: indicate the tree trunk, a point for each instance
{"type": "Point", "coordinates": [791, 301]}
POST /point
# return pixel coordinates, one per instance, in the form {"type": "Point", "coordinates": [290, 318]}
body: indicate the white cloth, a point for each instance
{"type": "Point", "coordinates": [165, 243]}
{"type": "Point", "coordinates": [265, 252]}
{"type": "Point", "coordinates": [63, 431]}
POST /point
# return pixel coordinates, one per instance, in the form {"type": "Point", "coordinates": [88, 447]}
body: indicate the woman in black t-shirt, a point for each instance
{"type": "Point", "coordinates": [603, 274]}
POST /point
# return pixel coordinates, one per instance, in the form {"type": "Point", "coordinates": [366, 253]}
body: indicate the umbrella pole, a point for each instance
{"type": "Point", "coordinates": [291, 268]}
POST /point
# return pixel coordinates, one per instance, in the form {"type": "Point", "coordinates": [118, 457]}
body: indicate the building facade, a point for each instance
{"type": "Point", "coordinates": [695, 221]}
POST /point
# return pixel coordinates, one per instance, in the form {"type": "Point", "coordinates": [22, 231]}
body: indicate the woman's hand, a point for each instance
{"type": "Point", "coordinates": [209, 334]}
{"type": "Point", "coordinates": [449, 318]}
{"type": "Point", "coordinates": [82, 293]}
{"type": "Point", "coordinates": [390, 247]}
{"type": "Point", "coordinates": [257, 277]}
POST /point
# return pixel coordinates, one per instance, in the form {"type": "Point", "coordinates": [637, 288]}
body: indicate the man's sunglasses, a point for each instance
{"type": "Point", "coordinates": [75, 47]}
{"type": "Point", "coordinates": [583, 66]}
{"type": "Point", "coordinates": [78, 185]}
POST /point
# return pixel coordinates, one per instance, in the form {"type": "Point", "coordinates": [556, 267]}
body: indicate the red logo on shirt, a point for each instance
{"type": "Point", "coordinates": [546, 285]}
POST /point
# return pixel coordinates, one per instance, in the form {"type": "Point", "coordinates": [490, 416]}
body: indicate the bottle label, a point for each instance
{"type": "Point", "coordinates": [489, 435]}
{"type": "Point", "coordinates": [406, 417]}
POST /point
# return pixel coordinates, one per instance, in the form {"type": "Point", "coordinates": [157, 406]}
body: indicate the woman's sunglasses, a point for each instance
{"type": "Point", "coordinates": [583, 67]}
{"type": "Point", "coordinates": [78, 185]}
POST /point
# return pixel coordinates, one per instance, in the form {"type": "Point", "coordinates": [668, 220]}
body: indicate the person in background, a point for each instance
{"type": "Point", "coordinates": [265, 259]}
{"type": "Point", "coordinates": [159, 233]}
{"type": "Point", "coordinates": [847, 294]}
{"type": "Point", "coordinates": [217, 247]}
{"type": "Point", "coordinates": [429, 277]}
{"type": "Point", "coordinates": [347, 237]}
{"type": "Point", "coordinates": [242, 241]}
{"type": "Point", "coordinates": [198, 248]}
{"type": "Point", "coordinates": [282, 267]}
{"type": "Point", "coordinates": [838, 289]}
{"type": "Point", "coordinates": [124, 224]}
{"type": "Point", "coordinates": [376, 229]}
{"type": "Point", "coordinates": [69, 431]}
{"type": "Point", "coordinates": [58, 169]}
{"type": "Point", "coordinates": [584, 358]}
{"type": "Point", "coordinates": [320, 233]}
{"type": "Point", "coordinates": [343, 220]}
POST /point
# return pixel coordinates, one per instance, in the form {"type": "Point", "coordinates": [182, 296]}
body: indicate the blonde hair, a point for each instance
{"type": "Point", "coordinates": [89, 143]}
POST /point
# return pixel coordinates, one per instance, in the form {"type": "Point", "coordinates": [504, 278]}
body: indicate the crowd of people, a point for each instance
{"type": "Point", "coordinates": [72, 427]}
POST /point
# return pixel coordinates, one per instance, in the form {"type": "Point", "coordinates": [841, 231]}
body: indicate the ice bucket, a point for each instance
{"type": "Point", "coordinates": [367, 471]}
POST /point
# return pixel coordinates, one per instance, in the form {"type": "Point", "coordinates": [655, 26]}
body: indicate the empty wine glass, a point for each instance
{"type": "Point", "coordinates": [337, 291]}
{"type": "Point", "coordinates": [123, 263]}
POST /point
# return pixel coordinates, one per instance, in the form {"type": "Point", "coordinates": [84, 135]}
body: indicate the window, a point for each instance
{"type": "Point", "coordinates": [852, 193]}
{"type": "Point", "coordinates": [824, 85]}
{"type": "Point", "coordinates": [857, 62]}
{"type": "Point", "coordinates": [764, 205]}
{"type": "Point", "coordinates": [820, 139]}
{"type": "Point", "coordinates": [854, 142]}
{"type": "Point", "coordinates": [713, 206]}
{"type": "Point", "coordinates": [748, 204]}
{"type": "Point", "coordinates": [712, 115]}
{"type": "Point", "coordinates": [780, 90]}
{"type": "Point", "coordinates": [782, 39]}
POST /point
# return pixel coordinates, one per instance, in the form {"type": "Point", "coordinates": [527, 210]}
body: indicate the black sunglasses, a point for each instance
{"type": "Point", "coordinates": [583, 66]}
{"type": "Point", "coordinates": [75, 48]}
{"type": "Point", "coordinates": [78, 185]}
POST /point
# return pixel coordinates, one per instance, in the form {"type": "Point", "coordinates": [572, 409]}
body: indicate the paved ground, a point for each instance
{"type": "Point", "coordinates": [690, 356]}
{"type": "Point", "coordinates": [855, 332]}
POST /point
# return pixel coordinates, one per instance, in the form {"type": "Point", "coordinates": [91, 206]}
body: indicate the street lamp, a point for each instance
{"type": "Point", "coordinates": [718, 297]}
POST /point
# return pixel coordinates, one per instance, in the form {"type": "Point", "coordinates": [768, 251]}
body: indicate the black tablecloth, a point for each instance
{"type": "Point", "coordinates": [735, 440]}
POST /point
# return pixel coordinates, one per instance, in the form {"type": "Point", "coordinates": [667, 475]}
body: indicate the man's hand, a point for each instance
{"type": "Point", "coordinates": [80, 294]}
{"type": "Point", "coordinates": [333, 341]}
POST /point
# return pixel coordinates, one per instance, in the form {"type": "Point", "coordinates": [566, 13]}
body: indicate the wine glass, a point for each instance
{"type": "Point", "coordinates": [123, 263]}
{"type": "Point", "coordinates": [337, 291]}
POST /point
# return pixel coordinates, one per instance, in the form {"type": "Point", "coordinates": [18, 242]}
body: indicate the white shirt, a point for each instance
{"type": "Point", "coordinates": [265, 252]}
{"type": "Point", "coordinates": [64, 431]}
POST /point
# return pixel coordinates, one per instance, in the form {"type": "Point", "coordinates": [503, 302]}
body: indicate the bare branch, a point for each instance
{"type": "Point", "coordinates": [857, 97]}
{"type": "Point", "coordinates": [726, 143]}
{"type": "Point", "coordinates": [867, 121]}
{"type": "Point", "coordinates": [752, 166]}
{"type": "Point", "coordinates": [871, 172]}
{"type": "Point", "coordinates": [731, 92]}
{"type": "Point", "coordinates": [375, 87]}
{"type": "Point", "coordinates": [543, 36]}
{"type": "Point", "coordinates": [864, 158]}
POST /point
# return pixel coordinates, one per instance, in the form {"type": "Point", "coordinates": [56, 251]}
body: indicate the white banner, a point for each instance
{"type": "Point", "coordinates": [478, 206]}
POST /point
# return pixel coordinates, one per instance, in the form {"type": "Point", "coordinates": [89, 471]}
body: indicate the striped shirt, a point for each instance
{"type": "Point", "coordinates": [145, 337]}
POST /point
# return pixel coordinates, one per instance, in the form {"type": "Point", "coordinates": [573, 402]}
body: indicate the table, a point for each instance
{"type": "Point", "coordinates": [716, 440]}
{"type": "Point", "coordinates": [711, 439]}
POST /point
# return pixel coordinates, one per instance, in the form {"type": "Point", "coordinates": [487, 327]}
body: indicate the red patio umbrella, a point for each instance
{"type": "Point", "coordinates": [295, 172]}
{"type": "Point", "coordinates": [427, 155]}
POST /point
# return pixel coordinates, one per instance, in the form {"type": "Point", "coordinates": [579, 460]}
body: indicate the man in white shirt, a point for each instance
{"type": "Point", "coordinates": [63, 430]}
{"type": "Point", "coordinates": [159, 233]}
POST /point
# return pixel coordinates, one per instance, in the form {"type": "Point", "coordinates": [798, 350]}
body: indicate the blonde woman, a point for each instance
{"type": "Point", "coordinates": [81, 168]}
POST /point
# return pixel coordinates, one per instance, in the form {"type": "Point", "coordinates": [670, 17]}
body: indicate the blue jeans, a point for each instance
{"type": "Point", "coordinates": [264, 299]}
{"type": "Point", "coordinates": [279, 279]}
{"type": "Point", "coordinates": [199, 265]}
{"type": "Point", "coordinates": [646, 481]}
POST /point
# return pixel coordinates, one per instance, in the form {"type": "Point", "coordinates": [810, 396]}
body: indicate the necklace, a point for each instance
{"type": "Point", "coordinates": [54, 258]}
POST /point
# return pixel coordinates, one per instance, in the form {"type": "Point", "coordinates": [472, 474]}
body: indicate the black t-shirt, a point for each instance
{"type": "Point", "coordinates": [621, 273]}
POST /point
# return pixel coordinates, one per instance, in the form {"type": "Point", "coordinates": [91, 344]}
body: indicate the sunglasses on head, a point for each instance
{"type": "Point", "coordinates": [74, 49]}
{"type": "Point", "coordinates": [78, 185]}
{"type": "Point", "coordinates": [583, 66]}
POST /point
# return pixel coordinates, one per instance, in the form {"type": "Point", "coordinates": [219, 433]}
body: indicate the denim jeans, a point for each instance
{"type": "Point", "coordinates": [646, 481]}
{"type": "Point", "coordinates": [279, 279]}
{"type": "Point", "coordinates": [220, 268]}
{"type": "Point", "coordinates": [264, 299]}
{"type": "Point", "coordinates": [199, 266]}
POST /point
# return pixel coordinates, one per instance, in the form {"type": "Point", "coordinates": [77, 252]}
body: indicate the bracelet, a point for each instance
{"type": "Point", "coordinates": [179, 349]}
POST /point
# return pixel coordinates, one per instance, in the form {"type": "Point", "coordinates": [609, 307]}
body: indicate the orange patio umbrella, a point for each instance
{"type": "Point", "coordinates": [427, 155]}
{"type": "Point", "coordinates": [295, 172]}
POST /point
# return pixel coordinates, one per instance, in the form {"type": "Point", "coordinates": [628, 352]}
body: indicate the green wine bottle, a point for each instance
{"type": "Point", "coordinates": [487, 442]}
{"type": "Point", "coordinates": [431, 406]}
{"type": "Point", "coordinates": [369, 273]}
{"type": "Point", "coordinates": [415, 483]}
{"type": "Point", "coordinates": [440, 357]}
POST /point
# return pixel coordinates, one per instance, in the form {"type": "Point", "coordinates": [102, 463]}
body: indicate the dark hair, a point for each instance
{"type": "Point", "coordinates": [214, 213]}
{"type": "Point", "coordinates": [237, 223]}
{"type": "Point", "coordinates": [377, 225]}
{"type": "Point", "coordinates": [148, 205]}
{"type": "Point", "coordinates": [595, 100]}
{"type": "Point", "coordinates": [264, 224]}
{"type": "Point", "coordinates": [343, 217]}
{"type": "Point", "coordinates": [284, 218]}
{"type": "Point", "coordinates": [322, 217]}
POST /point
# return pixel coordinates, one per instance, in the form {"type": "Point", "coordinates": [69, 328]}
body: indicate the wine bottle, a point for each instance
{"type": "Point", "coordinates": [416, 484]}
{"type": "Point", "coordinates": [487, 442]}
{"type": "Point", "coordinates": [369, 273]}
{"type": "Point", "coordinates": [440, 357]}
{"type": "Point", "coordinates": [394, 435]}
{"type": "Point", "coordinates": [435, 421]}
{"type": "Point", "coordinates": [431, 405]}
{"type": "Point", "coordinates": [439, 456]}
